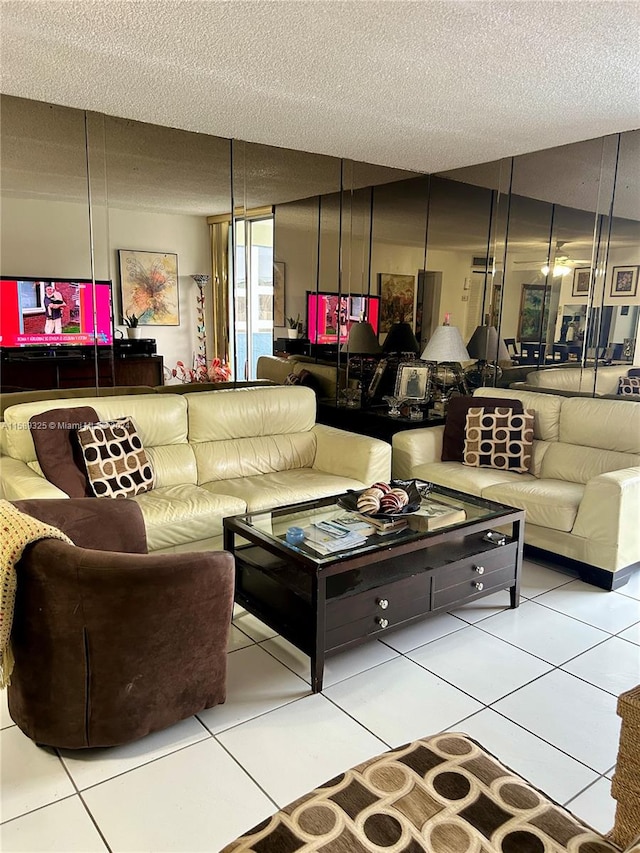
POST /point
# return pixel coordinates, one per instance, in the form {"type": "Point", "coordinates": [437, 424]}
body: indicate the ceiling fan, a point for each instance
{"type": "Point", "coordinates": [562, 263]}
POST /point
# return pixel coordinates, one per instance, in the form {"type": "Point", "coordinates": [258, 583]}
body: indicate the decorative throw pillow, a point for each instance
{"type": "Point", "coordinates": [58, 450]}
{"type": "Point", "coordinates": [499, 439]}
{"type": "Point", "coordinates": [455, 424]}
{"type": "Point", "coordinates": [292, 379]}
{"type": "Point", "coordinates": [629, 386]}
{"type": "Point", "coordinates": [117, 466]}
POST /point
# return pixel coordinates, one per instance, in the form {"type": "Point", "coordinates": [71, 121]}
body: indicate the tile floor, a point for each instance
{"type": "Point", "coordinates": [537, 686]}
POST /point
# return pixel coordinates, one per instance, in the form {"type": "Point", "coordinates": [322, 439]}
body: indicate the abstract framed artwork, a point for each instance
{"type": "Point", "coordinates": [149, 286]}
{"type": "Point", "coordinates": [278, 293]}
{"type": "Point", "coordinates": [534, 312]}
{"type": "Point", "coordinates": [624, 281]}
{"type": "Point", "coordinates": [581, 279]}
{"type": "Point", "coordinates": [397, 299]}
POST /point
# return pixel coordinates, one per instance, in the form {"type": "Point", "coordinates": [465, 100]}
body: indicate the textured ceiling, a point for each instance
{"type": "Point", "coordinates": [424, 86]}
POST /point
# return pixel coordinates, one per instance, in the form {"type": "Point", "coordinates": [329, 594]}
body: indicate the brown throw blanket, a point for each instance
{"type": "Point", "coordinates": [17, 530]}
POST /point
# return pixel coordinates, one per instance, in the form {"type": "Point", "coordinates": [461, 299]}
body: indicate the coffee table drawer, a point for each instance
{"type": "Point", "coordinates": [380, 601]}
{"type": "Point", "coordinates": [376, 621]}
{"type": "Point", "coordinates": [467, 590]}
{"type": "Point", "coordinates": [476, 568]}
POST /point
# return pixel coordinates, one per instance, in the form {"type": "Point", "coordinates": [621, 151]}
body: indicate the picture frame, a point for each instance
{"type": "Point", "coordinates": [278, 293]}
{"type": "Point", "coordinates": [534, 312]}
{"type": "Point", "coordinates": [624, 281]}
{"type": "Point", "coordinates": [376, 379]}
{"type": "Point", "coordinates": [397, 300]}
{"type": "Point", "coordinates": [581, 281]}
{"type": "Point", "coordinates": [149, 286]}
{"type": "Point", "coordinates": [412, 381]}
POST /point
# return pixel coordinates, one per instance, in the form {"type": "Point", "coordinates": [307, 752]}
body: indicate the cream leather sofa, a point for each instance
{"type": "Point", "coordinates": [582, 497]}
{"type": "Point", "coordinates": [215, 454]}
{"type": "Point", "coordinates": [328, 378]}
{"type": "Point", "coordinates": [575, 380]}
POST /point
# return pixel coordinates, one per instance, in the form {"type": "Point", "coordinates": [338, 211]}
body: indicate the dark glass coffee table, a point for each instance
{"type": "Point", "coordinates": [325, 603]}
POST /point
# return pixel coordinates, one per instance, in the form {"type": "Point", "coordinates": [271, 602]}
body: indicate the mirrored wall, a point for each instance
{"type": "Point", "coordinates": [217, 248]}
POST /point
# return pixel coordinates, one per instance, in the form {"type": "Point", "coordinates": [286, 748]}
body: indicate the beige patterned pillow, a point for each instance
{"type": "Point", "coordinates": [500, 438]}
{"type": "Point", "coordinates": [117, 466]}
{"type": "Point", "coordinates": [629, 386]}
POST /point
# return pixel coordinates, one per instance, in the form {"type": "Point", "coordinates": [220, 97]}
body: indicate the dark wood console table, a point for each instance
{"type": "Point", "coordinates": [373, 420]}
{"type": "Point", "coordinates": [44, 373]}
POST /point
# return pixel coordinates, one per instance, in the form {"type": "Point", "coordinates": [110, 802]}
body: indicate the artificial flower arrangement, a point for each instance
{"type": "Point", "coordinates": [217, 371]}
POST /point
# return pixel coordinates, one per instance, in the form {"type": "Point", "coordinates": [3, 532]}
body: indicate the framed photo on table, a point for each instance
{"type": "Point", "coordinates": [412, 381]}
{"type": "Point", "coordinates": [624, 281]}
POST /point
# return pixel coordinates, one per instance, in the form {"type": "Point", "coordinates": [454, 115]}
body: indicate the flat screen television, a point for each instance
{"type": "Point", "coordinates": [61, 312]}
{"type": "Point", "coordinates": [329, 316]}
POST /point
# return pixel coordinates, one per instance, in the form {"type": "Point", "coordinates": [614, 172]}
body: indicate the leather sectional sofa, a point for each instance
{"type": "Point", "coordinates": [582, 494]}
{"type": "Point", "coordinates": [215, 454]}
{"type": "Point", "coordinates": [587, 381]}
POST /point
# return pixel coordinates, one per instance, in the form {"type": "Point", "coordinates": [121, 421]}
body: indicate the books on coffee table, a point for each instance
{"type": "Point", "coordinates": [433, 515]}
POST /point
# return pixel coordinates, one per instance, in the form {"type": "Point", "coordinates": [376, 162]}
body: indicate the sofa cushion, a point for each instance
{"type": "Point", "coordinates": [547, 503]}
{"type": "Point", "coordinates": [499, 439]}
{"type": "Point", "coordinates": [607, 424]}
{"type": "Point", "coordinates": [282, 487]}
{"type": "Point", "coordinates": [473, 481]}
{"type": "Point", "coordinates": [117, 465]}
{"type": "Point", "coordinates": [58, 450]}
{"type": "Point", "coordinates": [456, 422]}
{"type": "Point", "coordinates": [629, 386]}
{"type": "Point", "coordinates": [579, 464]}
{"type": "Point", "coordinates": [174, 515]}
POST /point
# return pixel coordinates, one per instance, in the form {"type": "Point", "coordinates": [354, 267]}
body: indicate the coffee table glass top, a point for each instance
{"type": "Point", "coordinates": [272, 525]}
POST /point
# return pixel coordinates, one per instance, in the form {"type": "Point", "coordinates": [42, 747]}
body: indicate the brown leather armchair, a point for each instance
{"type": "Point", "coordinates": [112, 643]}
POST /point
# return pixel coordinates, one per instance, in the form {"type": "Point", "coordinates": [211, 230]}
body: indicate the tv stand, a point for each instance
{"type": "Point", "coordinates": [45, 368]}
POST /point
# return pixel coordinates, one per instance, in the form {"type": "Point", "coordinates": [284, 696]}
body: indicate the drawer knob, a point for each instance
{"type": "Point", "coordinates": [479, 569]}
{"type": "Point", "coordinates": [383, 603]}
{"type": "Point", "coordinates": [479, 586]}
{"type": "Point", "coordinates": [382, 622]}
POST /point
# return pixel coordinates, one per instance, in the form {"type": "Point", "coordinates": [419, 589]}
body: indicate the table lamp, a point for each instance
{"type": "Point", "coordinates": [489, 349]}
{"type": "Point", "coordinates": [447, 349]}
{"type": "Point", "coordinates": [362, 341]}
{"type": "Point", "coordinates": [401, 339]}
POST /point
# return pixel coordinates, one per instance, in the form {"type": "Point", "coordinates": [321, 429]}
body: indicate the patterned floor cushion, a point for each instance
{"type": "Point", "coordinates": [442, 794]}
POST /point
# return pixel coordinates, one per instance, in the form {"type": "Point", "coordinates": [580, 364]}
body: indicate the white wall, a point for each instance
{"type": "Point", "coordinates": [51, 238]}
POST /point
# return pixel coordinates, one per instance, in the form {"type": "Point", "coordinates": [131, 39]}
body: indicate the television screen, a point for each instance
{"type": "Point", "coordinates": [48, 312]}
{"type": "Point", "coordinates": [329, 316]}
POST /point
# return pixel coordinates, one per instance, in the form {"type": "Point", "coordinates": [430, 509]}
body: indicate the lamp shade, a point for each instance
{"type": "Point", "coordinates": [362, 340]}
{"type": "Point", "coordinates": [401, 339]}
{"type": "Point", "coordinates": [446, 344]}
{"type": "Point", "coordinates": [485, 345]}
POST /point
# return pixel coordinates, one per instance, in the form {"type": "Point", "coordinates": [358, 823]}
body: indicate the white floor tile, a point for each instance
{"type": "Point", "coordinates": [63, 827]}
{"type": "Point", "coordinates": [542, 765]}
{"type": "Point", "coordinates": [574, 716]}
{"type": "Point", "coordinates": [536, 579]}
{"type": "Point", "coordinates": [399, 702]}
{"type": "Point", "coordinates": [252, 626]}
{"type": "Point", "coordinates": [195, 799]}
{"type": "Point", "coordinates": [406, 639]}
{"type": "Point", "coordinates": [90, 766]}
{"type": "Point", "coordinates": [31, 776]}
{"type": "Point", "coordinates": [238, 640]}
{"type": "Point", "coordinates": [545, 633]}
{"type": "Point", "coordinates": [479, 664]}
{"type": "Point", "coordinates": [296, 748]}
{"type": "Point", "coordinates": [613, 665]}
{"type": "Point", "coordinates": [337, 667]}
{"type": "Point", "coordinates": [609, 611]}
{"type": "Point", "coordinates": [256, 684]}
{"type": "Point", "coordinates": [632, 586]}
{"type": "Point", "coordinates": [5, 719]}
{"type": "Point", "coordinates": [595, 806]}
{"type": "Point", "coordinates": [632, 634]}
{"type": "Point", "coordinates": [484, 607]}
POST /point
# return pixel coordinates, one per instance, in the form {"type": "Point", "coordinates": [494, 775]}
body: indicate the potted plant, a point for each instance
{"type": "Point", "coordinates": [131, 322]}
{"type": "Point", "coordinates": [294, 326]}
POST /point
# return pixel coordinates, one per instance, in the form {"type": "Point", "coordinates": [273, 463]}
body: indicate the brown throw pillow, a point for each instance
{"type": "Point", "coordinates": [117, 465]}
{"type": "Point", "coordinates": [500, 439]}
{"type": "Point", "coordinates": [58, 450]}
{"type": "Point", "coordinates": [455, 424]}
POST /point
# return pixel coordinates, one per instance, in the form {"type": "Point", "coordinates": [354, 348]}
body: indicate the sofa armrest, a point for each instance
{"type": "Point", "coordinates": [351, 455]}
{"type": "Point", "coordinates": [20, 482]}
{"type": "Point", "coordinates": [608, 518]}
{"type": "Point", "coordinates": [413, 447]}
